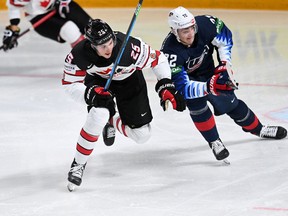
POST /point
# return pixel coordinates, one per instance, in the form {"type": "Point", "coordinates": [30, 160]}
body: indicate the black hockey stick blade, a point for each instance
{"type": "Point", "coordinates": [123, 46]}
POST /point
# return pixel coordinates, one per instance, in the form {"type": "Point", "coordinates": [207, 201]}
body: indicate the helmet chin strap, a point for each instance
{"type": "Point", "coordinates": [176, 34]}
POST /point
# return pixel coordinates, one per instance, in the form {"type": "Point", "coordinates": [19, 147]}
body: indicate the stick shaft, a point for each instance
{"type": "Point", "coordinates": [39, 22]}
{"type": "Point", "coordinates": [121, 51]}
{"type": "Point", "coordinates": [234, 84]}
{"type": "Point", "coordinates": [35, 25]}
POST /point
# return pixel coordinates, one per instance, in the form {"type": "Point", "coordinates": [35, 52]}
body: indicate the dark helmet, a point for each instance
{"type": "Point", "coordinates": [98, 32]}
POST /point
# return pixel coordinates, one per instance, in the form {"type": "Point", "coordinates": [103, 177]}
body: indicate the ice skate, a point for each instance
{"type": "Point", "coordinates": [75, 175]}
{"type": "Point", "coordinates": [273, 132]}
{"type": "Point", "coordinates": [219, 151]}
{"type": "Point", "coordinates": [108, 134]}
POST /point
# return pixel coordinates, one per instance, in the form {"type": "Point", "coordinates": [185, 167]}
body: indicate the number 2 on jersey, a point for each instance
{"type": "Point", "coordinates": [171, 59]}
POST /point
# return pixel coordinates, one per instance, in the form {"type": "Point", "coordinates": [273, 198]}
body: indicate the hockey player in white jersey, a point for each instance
{"type": "Point", "coordinates": [95, 57]}
{"type": "Point", "coordinates": [67, 25]}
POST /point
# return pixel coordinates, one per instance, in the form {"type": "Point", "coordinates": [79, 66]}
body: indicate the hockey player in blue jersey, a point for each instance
{"type": "Point", "coordinates": [189, 48]}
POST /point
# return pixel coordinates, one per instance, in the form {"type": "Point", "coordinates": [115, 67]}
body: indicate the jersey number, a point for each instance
{"type": "Point", "coordinates": [171, 59]}
{"type": "Point", "coordinates": [69, 58]}
{"type": "Point", "coordinates": [135, 51]}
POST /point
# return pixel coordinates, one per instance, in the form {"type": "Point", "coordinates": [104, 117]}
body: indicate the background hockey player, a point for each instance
{"type": "Point", "coordinates": [95, 57]}
{"type": "Point", "coordinates": [189, 48]}
{"type": "Point", "coordinates": [67, 25]}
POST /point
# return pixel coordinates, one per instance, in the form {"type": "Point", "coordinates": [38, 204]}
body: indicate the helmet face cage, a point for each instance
{"type": "Point", "coordinates": [180, 18]}
{"type": "Point", "coordinates": [99, 32]}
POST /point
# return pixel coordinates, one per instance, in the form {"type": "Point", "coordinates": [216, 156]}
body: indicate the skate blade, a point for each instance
{"type": "Point", "coordinates": [226, 162]}
{"type": "Point", "coordinates": [166, 105]}
{"type": "Point", "coordinates": [71, 187]}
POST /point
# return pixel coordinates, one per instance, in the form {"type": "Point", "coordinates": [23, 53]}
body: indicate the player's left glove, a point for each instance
{"type": "Point", "coordinates": [167, 92]}
{"type": "Point", "coordinates": [224, 67]}
{"type": "Point", "coordinates": [63, 7]}
{"type": "Point", "coordinates": [219, 83]}
{"type": "Point", "coordinates": [11, 33]}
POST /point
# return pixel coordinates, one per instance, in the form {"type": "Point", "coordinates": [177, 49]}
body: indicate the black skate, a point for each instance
{"type": "Point", "coordinates": [108, 134]}
{"type": "Point", "coordinates": [273, 132]}
{"type": "Point", "coordinates": [219, 150]}
{"type": "Point", "coordinates": [75, 175]}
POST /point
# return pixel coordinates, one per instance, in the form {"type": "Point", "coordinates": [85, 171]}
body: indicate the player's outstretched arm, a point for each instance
{"type": "Point", "coordinates": [11, 33]}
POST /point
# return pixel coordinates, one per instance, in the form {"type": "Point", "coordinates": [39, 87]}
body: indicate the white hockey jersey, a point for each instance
{"type": "Point", "coordinates": [30, 7]}
{"type": "Point", "coordinates": [137, 56]}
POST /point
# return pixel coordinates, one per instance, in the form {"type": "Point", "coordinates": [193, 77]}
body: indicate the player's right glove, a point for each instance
{"type": "Point", "coordinates": [167, 92]}
{"type": "Point", "coordinates": [219, 83]}
{"type": "Point", "coordinates": [96, 96]}
{"type": "Point", "coordinates": [11, 33]}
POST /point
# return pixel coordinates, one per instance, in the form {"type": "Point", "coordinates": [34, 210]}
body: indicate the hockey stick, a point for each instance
{"type": "Point", "coordinates": [121, 51]}
{"type": "Point", "coordinates": [36, 24]}
{"type": "Point", "coordinates": [233, 84]}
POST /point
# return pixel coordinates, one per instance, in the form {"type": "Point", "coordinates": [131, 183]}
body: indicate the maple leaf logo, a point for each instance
{"type": "Point", "coordinates": [105, 71]}
{"type": "Point", "coordinates": [44, 3]}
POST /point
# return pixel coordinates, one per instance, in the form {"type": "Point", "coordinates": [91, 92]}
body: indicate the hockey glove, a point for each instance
{"type": "Point", "coordinates": [219, 83]}
{"type": "Point", "coordinates": [63, 7]}
{"type": "Point", "coordinates": [223, 67]}
{"type": "Point", "coordinates": [96, 96]}
{"type": "Point", "coordinates": [11, 33]}
{"type": "Point", "coordinates": [167, 92]}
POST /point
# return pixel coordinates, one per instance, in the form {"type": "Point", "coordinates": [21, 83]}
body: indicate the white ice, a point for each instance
{"type": "Point", "coordinates": [175, 173]}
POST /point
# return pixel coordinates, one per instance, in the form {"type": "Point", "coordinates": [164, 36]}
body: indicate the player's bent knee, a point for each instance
{"type": "Point", "coordinates": [96, 120]}
{"type": "Point", "coordinates": [142, 134]}
{"type": "Point", "coordinates": [99, 114]}
{"type": "Point", "coordinates": [70, 32]}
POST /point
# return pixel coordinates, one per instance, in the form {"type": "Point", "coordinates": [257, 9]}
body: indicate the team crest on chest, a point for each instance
{"type": "Point", "coordinates": [193, 64]}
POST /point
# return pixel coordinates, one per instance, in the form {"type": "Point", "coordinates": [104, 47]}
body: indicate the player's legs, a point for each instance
{"type": "Point", "coordinates": [203, 118]}
{"type": "Point", "coordinates": [59, 29]}
{"type": "Point", "coordinates": [141, 134]}
{"type": "Point", "coordinates": [95, 122]}
{"type": "Point", "coordinates": [245, 118]}
{"type": "Point", "coordinates": [70, 33]}
{"type": "Point", "coordinates": [133, 107]}
{"type": "Point", "coordinates": [204, 121]}
{"type": "Point", "coordinates": [78, 16]}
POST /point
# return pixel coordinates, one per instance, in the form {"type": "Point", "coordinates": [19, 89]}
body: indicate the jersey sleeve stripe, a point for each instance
{"type": "Point", "coordinates": [77, 73]}
{"type": "Point", "coordinates": [155, 62]}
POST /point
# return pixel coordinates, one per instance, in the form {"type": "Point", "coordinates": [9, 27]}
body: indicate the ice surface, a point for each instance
{"type": "Point", "coordinates": [175, 173]}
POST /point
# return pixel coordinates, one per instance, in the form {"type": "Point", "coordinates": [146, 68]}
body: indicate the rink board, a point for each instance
{"type": "Point", "coordinates": [224, 4]}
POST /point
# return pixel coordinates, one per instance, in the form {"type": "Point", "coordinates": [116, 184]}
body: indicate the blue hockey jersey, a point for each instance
{"type": "Point", "coordinates": [196, 62]}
